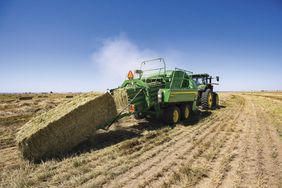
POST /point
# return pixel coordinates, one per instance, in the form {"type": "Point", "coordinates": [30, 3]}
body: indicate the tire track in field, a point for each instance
{"type": "Point", "coordinates": [256, 166]}
{"type": "Point", "coordinates": [272, 148]}
{"type": "Point", "coordinates": [222, 166]}
{"type": "Point", "coordinates": [249, 163]}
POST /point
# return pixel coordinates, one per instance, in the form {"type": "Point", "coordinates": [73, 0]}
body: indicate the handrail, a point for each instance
{"type": "Point", "coordinates": [172, 77]}
{"type": "Point", "coordinates": [156, 59]}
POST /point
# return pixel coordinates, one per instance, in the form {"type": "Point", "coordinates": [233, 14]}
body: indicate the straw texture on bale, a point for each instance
{"type": "Point", "coordinates": [121, 98]}
{"type": "Point", "coordinates": [64, 127]}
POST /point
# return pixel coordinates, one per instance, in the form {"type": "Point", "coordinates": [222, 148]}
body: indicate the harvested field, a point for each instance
{"type": "Point", "coordinates": [238, 145]}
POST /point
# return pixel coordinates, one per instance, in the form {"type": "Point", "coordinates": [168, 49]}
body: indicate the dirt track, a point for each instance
{"type": "Point", "coordinates": [235, 146]}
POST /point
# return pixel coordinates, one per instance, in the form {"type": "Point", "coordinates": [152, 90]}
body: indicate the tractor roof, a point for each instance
{"type": "Point", "coordinates": [200, 75]}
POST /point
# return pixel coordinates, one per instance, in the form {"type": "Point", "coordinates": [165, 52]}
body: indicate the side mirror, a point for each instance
{"type": "Point", "coordinates": [217, 78]}
{"type": "Point", "coordinates": [138, 71]}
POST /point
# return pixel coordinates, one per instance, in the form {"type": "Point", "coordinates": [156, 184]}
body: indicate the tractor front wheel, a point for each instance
{"type": "Point", "coordinates": [171, 115]}
{"type": "Point", "coordinates": [206, 99]}
{"type": "Point", "coordinates": [215, 100]}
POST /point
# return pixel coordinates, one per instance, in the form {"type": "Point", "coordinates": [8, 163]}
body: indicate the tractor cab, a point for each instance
{"type": "Point", "coordinates": [207, 98]}
{"type": "Point", "coordinates": [204, 81]}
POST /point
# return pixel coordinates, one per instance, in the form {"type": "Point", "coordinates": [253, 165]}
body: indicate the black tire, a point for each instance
{"type": "Point", "coordinates": [185, 112]}
{"type": "Point", "coordinates": [206, 99]}
{"type": "Point", "coordinates": [215, 100]}
{"type": "Point", "coordinates": [169, 115]}
{"type": "Point", "coordinates": [138, 116]}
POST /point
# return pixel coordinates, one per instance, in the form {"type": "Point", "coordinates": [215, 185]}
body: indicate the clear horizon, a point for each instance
{"type": "Point", "coordinates": [71, 46]}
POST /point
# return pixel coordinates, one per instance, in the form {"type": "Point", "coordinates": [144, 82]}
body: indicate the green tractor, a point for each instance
{"type": "Point", "coordinates": [156, 92]}
{"type": "Point", "coordinates": [207, 98]}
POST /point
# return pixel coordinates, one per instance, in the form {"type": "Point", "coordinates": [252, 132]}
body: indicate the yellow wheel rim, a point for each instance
{"type": "Point", "coordinates": [175, 116]}
{"type": "Point", "coordinates": [210, 100]}
{"type": "Point", "coordinates": [186, 112]}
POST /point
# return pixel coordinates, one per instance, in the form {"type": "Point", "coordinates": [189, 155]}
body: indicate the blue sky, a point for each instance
{"type": "Point", "coordinates": [65, 45]}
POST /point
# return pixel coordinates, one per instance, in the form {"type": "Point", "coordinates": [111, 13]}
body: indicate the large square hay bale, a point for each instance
{"type": "Point", "coordinates": [64, 127]}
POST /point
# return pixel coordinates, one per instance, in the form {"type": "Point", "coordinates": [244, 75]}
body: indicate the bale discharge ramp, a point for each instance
{"type": "Point", "coordinates": [64, 127]}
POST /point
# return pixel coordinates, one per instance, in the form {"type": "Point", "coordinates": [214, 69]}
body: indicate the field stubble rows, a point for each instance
{"type": "Point", "coordinates": [235, 146]}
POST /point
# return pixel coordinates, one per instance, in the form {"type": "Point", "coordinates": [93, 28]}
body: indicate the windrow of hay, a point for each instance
{"type": "Point", "coordinates": [25, 98]}
{"type": "Point", "coordinates": [62, 128]}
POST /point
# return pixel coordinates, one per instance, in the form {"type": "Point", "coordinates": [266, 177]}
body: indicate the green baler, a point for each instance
{"type": "Point", "coordinates": [160, 93]}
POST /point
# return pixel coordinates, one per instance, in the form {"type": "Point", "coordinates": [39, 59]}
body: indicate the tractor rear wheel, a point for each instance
{"type": "Point", "coordinates": [171, 115]}
{"type": "Point", "coordinates": [215, 100]}
{"type": "Point", "coordinates": [206, 99]}
{"type": "Point", "coordinates": [185, 111]}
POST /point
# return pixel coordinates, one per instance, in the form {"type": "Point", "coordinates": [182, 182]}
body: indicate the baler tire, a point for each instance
{"type": "Point", "coordinates": [169, 115]}
{"type": "Point", "coordinates": [138, 116]}
{"type": "Point", "coordinates": [206, 99]}
{"type": "Point", "coordinates": [185, 112]}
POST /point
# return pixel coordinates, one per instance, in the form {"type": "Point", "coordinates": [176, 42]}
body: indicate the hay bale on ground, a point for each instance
{"type": "Point", "coordinates": [42, 96]}
{"type": "Point", "coordinates": [62, 128]}
{"type": "Point", "coordinates": [25, 98]}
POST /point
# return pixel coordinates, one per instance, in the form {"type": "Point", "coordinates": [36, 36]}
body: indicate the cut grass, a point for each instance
{"type": "Point", "coordinates": [188, 173]}
{"type": "Point", "coordinates": [14, 120]}
{"type": "Point", "coordinates": [274, 110]}
{"type": "Point", "coordinates": [79, 162]}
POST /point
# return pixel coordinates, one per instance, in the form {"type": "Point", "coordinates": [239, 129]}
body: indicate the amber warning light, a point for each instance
{"type": "Point", "coordinates": [131, 108]}
{"type": "Point", "coordinates": [130, 75]}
